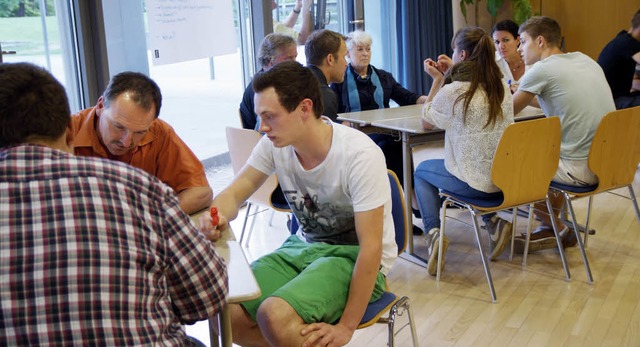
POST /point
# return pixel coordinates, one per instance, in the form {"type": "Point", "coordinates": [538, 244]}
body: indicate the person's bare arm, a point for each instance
{"type": "Point", "coordinates": [195, 199]}
{"type": "Point", "coordinates": [292, 18]}
{"type": "Point", "coordinates": [434, 70]}
{"type": "Point", "coordinates": [228, 202]}
{"type": "Point", "coordinates": [306, 27]}
{"type": "Point", "coordinates": [521, 99]}
{"type": "Point", "coordinates": [369, 226]}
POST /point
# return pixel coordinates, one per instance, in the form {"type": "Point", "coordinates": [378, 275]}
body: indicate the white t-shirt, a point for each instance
{"type": "Point", "coordinates": [573, 87]}
{"type": "Point", "coordinates": [352, 178]}
{"type": "Point", "coordinates": [469, 148]}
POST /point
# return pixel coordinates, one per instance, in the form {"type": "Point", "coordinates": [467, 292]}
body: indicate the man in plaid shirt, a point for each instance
{"type": "Point", "coordinates": [92, 252]}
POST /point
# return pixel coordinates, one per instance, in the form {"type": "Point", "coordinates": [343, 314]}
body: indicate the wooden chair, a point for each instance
{"type": "Point", "coordinates": [241, 142]}
{"type": "Point", "coordinates": [614, 156]}
{"type": "Point", "coordinates": [525, 161]}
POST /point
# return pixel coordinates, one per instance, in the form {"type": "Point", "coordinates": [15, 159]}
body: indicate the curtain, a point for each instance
{"type": "Point", "coordinates": [424, 30]}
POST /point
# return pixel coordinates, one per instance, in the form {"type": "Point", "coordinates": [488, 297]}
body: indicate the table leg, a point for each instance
{"type": "Point", "coordinates": [213, 334]}
{"type": "Point", "coordinates": [224, 327]}
{"type": "Point", "coordinates": [408, 190]}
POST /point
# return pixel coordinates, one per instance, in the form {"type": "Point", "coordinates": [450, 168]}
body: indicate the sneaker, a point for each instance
{"type": "Point", "coordinates": [542, 239]}
{"type": "Point", "coordinates": [433, 238]}
{"type": "Point", "coordinates": [499, 235]}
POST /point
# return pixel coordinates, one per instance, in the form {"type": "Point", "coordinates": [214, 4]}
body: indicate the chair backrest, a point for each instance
{"type": "Point", "coordinates": [241, 142]}
{"type": "Point", "coordinates": [615, 149]}
{"type": "Point", "coordinates": [400, 223]}
{"type": "Point", "coordinates": [526, 160]}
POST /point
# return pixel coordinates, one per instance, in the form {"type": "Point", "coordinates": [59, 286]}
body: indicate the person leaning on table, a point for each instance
{"type": "Point", "coordinates": [124, 126]}
{"type": "Point", "coordinates": [573, 87]}
{"type": "Point", "coordinates": [316, 286]}
{"type": "Point", "coordinates": [94, 252]}
{"type": "Point", "coordinates": [474, 106]}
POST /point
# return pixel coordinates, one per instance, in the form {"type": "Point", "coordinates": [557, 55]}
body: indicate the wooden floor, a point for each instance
{"type": "Point", "coordinates": [536, 306]}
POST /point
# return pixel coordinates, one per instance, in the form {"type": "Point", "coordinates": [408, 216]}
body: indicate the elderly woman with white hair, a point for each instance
{"type": "Point", "coordinates": [366, 87]}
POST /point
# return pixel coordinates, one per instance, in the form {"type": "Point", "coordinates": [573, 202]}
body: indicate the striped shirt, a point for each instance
{"type": "Point", "coordinates": [97, 253]}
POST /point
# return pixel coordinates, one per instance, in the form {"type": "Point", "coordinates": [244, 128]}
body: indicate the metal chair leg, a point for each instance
{"type": "Point", "coordinates": [244, 224]}
{"type": "Point", "coordinates": [253, 221]}
{"type": "Point", "coordinates": [398, 309]}
{"type": "Point", "coordinates": [586, 225]}
{"type": "Point", "coordinates": [273, 212]}
{"type": "Point", "coordinates": [558, 240]}
{"type": "Point", "coordinates": [632, 196]}
{"type": "Point", "coordinates": [485, 261]}
{"type": "Point", "coordinates": [513, 230]}
{"type": "Point", "coordinates": [580, 244]}
{"type": "Point", "coordinates": [443, 218]}
{"type": "Point", "coordinates": [528, 237]}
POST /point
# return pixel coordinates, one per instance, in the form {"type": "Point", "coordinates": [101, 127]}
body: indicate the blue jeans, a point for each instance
{"type": "Point", "coordinates": [430, 176]}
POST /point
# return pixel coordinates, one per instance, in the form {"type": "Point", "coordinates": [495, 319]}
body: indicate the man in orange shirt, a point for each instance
{"type": "Point", "coordinates": [124, 126]}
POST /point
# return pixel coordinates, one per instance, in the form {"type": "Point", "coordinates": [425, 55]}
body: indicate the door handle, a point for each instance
{"type": "Point", "coordinates": [357, 21]}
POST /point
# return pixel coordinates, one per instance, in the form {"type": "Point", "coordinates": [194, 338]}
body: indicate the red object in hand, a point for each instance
{"type": "Point", "coordinates": [214, 216]}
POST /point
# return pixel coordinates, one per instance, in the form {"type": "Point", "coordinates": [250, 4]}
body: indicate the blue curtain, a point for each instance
{"type": "Point", "coordinates": [424, 29]}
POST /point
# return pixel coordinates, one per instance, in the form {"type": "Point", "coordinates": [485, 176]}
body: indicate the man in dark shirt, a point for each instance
{"type": "Point", "coordinates": [618, 60]}
{"type": "Point", "coordinates": [326, 53]}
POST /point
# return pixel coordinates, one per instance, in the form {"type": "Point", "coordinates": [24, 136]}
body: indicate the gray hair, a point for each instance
{"type": "Point", "coordinates": [358, 37]}
{"type": "Point", "coordinates": [270, 47]}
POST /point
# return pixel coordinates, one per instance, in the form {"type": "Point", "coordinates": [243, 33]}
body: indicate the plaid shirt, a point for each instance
{"type": "Point", "coordinates": [97, 253]}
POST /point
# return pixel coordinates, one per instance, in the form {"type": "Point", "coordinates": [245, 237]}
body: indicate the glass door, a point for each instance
{"type": "Point", "coordinates": [331, 14]}
{"type": "Point", "coordinates": [41, 33]}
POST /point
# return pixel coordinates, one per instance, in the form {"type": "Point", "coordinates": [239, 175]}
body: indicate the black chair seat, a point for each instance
{"type": "Point", "coordinates": [485, 203]}
{"type": "Point", "coordinates": [574, 189]}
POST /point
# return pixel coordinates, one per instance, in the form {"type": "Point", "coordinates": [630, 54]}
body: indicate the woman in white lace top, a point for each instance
{"type": "Point", "coordinates": [472, 103]}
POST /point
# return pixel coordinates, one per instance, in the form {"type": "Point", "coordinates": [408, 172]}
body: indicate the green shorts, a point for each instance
{"type": "Point", "coordinates": [313, 278]}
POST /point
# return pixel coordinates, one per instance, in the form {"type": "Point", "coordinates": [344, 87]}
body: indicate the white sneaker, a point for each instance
{"type": "Point", "coordinates": [432, 238]}
{"type": "Point", "coordinates": [499, 235]}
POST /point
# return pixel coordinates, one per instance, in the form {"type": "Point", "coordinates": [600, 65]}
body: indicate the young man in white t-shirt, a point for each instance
{"type": "Point", "coordinates": [316, 286]}
{"type": "Point", "coordinates": [573, 87]}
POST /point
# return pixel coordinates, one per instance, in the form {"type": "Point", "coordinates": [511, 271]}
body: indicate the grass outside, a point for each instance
{"type": "Point", "coordinates": [25, 35]}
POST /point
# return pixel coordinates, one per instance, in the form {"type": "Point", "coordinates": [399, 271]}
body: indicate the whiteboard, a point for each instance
{"type": "Point", "coordinates": [181, 30]}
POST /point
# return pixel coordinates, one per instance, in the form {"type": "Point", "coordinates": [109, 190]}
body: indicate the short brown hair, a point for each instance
{"type": "Point", "coordinates": [320, 44]}
{"type": "Point", "coordinates": [33, 104]}
{"type": "Point", "coordinates": [546, 27]}
{"type": "Point", "coordinates": [292, 83]}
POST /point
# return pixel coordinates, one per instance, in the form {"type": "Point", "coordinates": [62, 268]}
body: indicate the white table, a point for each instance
{"type": "Point", "coordinates": [242, 283]}
{"type": "Point", "coordinates": [406, 120]}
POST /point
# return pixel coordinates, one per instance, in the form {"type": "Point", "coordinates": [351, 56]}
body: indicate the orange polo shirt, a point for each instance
{"type": "Point", "coordinates": [160, 152]}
